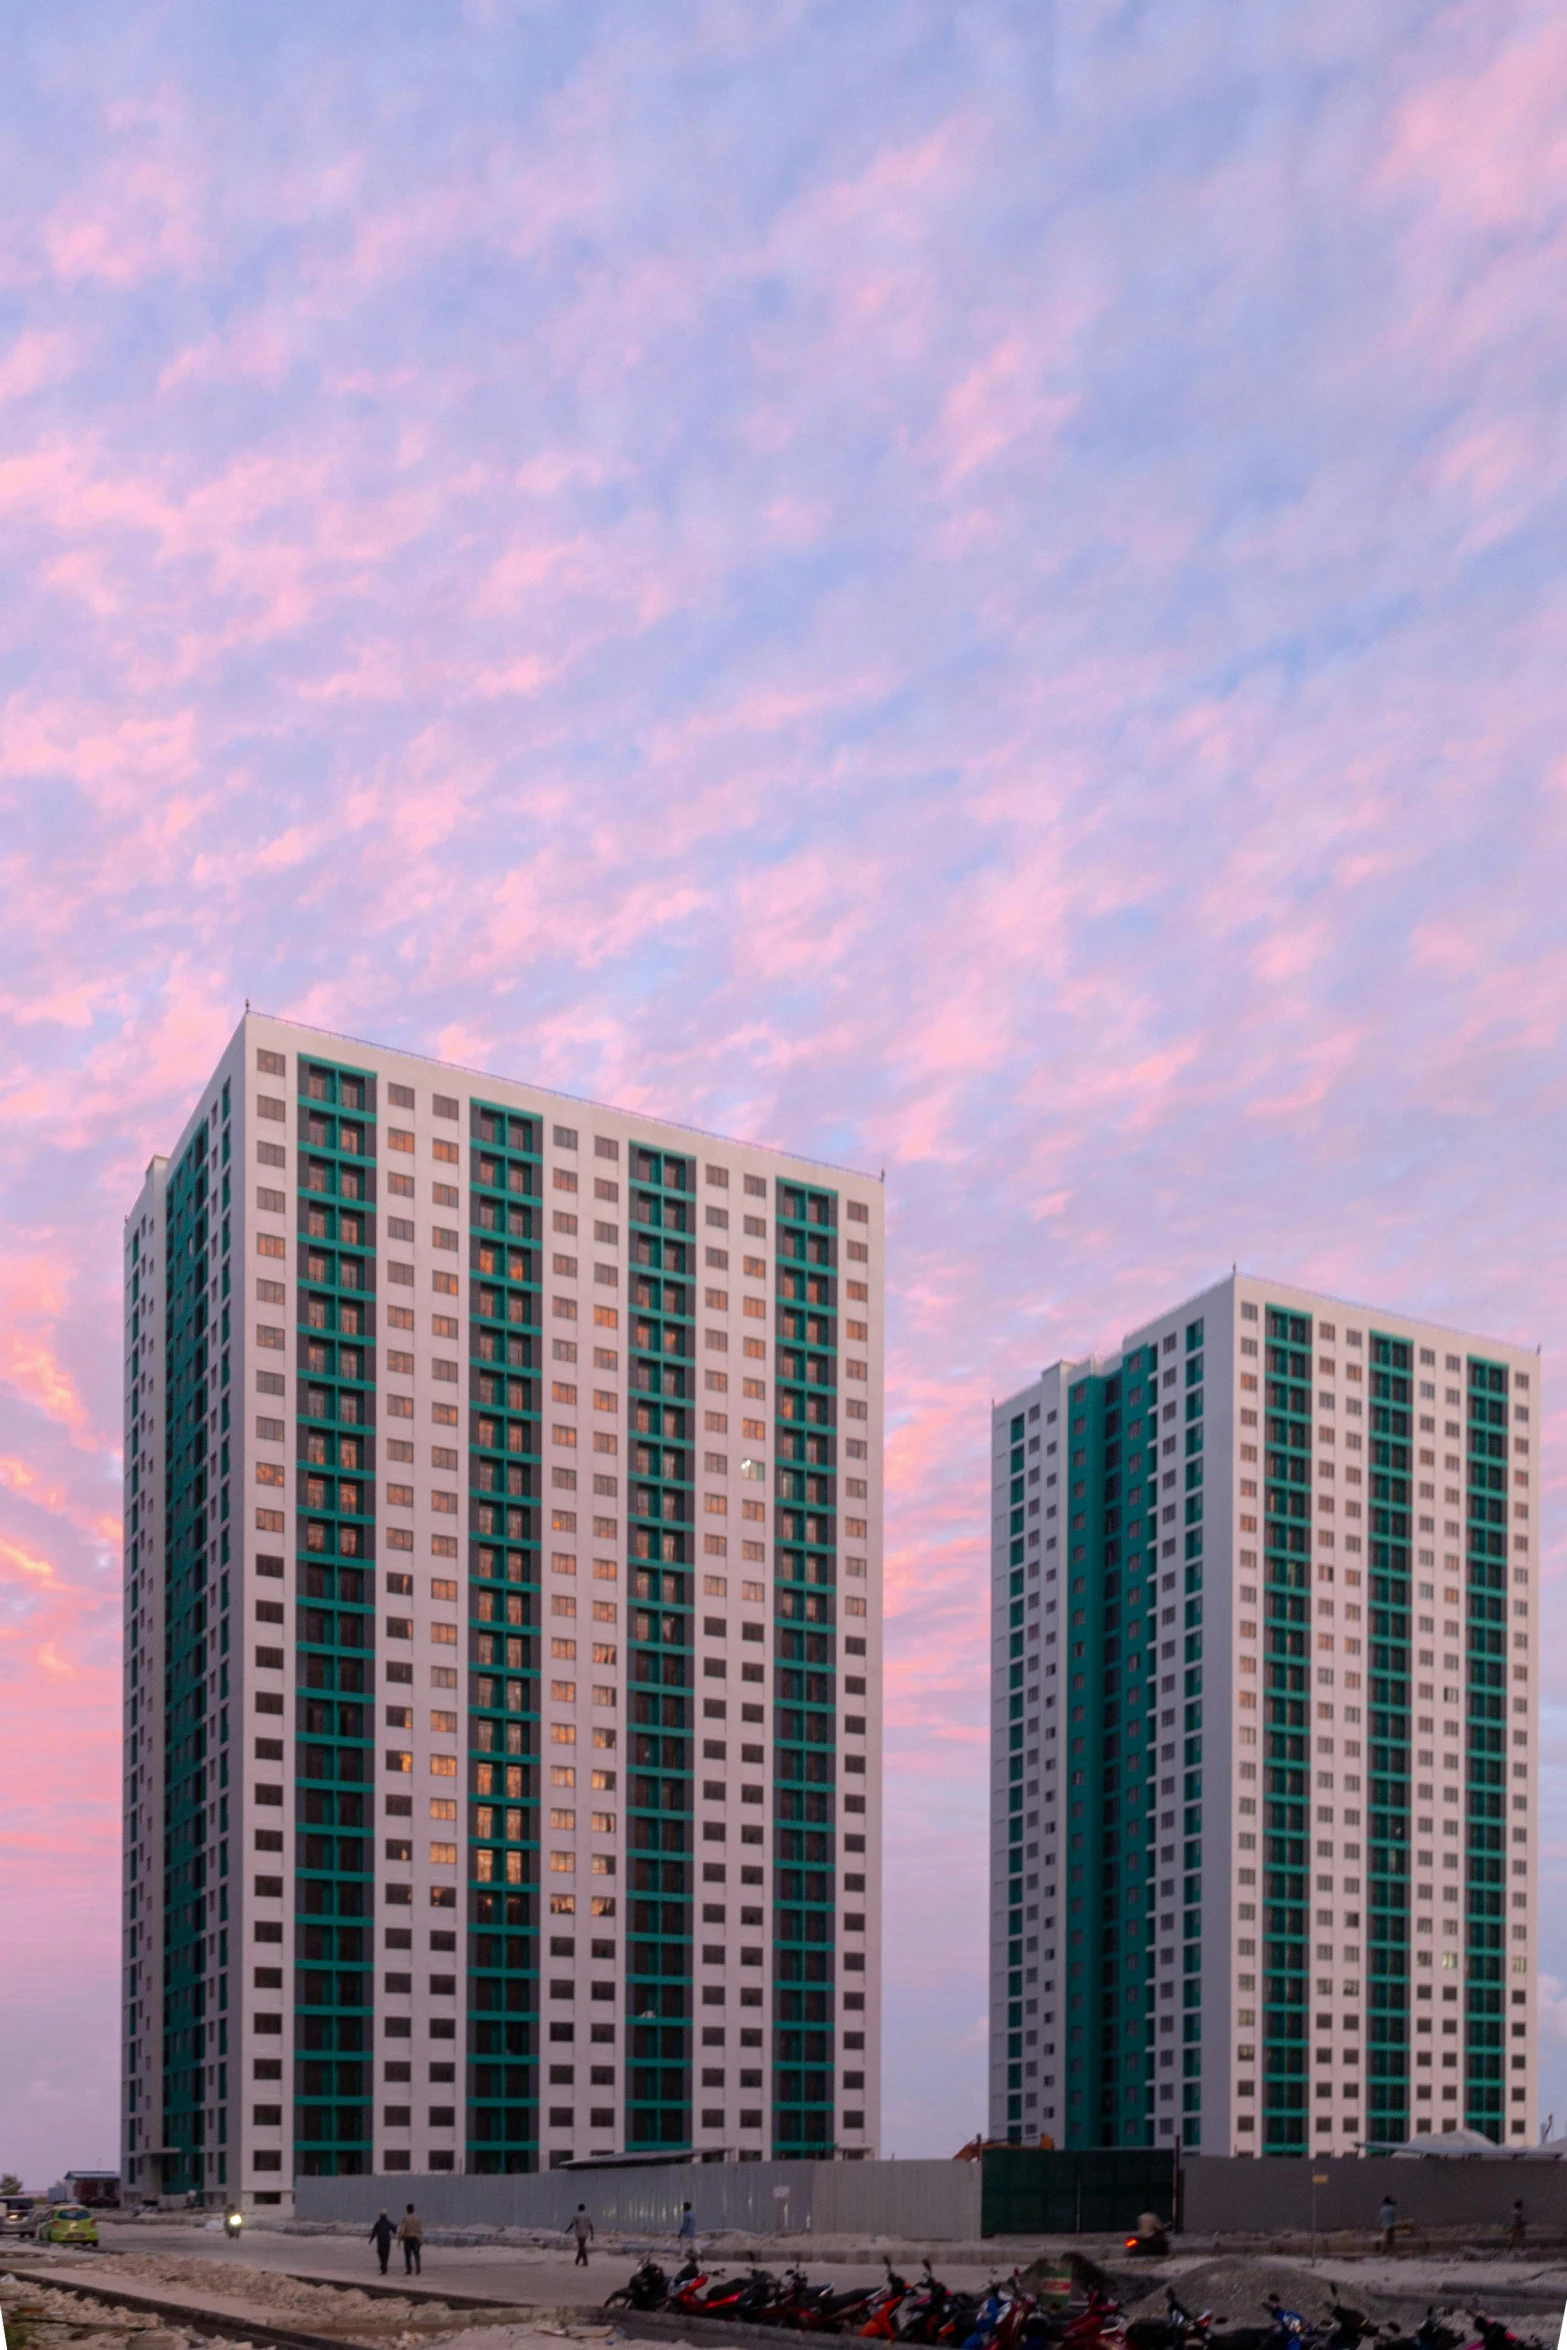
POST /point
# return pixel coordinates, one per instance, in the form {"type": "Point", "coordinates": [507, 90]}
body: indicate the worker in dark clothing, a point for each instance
{"type": "Point", "coordinates": [381, 2236]}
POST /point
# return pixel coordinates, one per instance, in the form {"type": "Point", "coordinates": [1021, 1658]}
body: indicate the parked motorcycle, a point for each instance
{"type": "Point", "coordinates": [1178, 2329]}
{"type": "Point", "coordinates": [1430, 2334]}
{"type": "Point", "coordinates": [648, 2288]}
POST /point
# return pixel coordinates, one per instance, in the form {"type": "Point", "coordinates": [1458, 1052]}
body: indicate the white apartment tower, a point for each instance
{"type": "Point", "coordinates": [503, 1634]}
{"type": "Point", "coordinates": [1264, 1600]}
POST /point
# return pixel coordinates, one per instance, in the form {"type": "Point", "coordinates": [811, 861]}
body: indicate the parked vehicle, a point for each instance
{"type": "Point", "coordinates": [1430, 2334]}
{"type": "Point", "coordinates": [647, 2289]}
{"type": "Point", "coordinates": [927, 2313]}
{"type": "Point", "coordinates": [1180, 2329]}
{"type": "Point", "coordinates": [66, 2223]}
{"type": "Point", "coordinates": [1493, 2335]}
{"type": "Point", "coordinates": [1344, 2328]}
{"type": "Point", "coordinates": [18, 2215]}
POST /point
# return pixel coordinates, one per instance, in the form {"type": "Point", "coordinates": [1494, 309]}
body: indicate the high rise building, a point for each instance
{"type": "Point", "coordinates": [1263, 1753]}
{"type": "Point", "coordinates": [503, 1633]}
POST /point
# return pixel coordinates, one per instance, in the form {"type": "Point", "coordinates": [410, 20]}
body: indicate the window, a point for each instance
{"type": "Point", "coordinates": [565, 1138]}
{"type": "Point", "coordinates": [604, 1147]}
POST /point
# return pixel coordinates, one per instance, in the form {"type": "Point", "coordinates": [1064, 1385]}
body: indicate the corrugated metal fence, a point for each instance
{"type": "Point", "coordinates": [1012, 2192]}
{"type": "Point", "coordinates": [1227, 2193]}
{"type": "Point", "coordinates": [939, 2200]}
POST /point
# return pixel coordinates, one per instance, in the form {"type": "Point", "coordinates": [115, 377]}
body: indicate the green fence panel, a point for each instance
{"type": "Point", "coordinates": [1027, 2191]}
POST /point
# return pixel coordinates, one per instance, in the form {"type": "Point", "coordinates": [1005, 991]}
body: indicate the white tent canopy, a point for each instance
{"type": "Point", "coordinates": [1471, 2143]}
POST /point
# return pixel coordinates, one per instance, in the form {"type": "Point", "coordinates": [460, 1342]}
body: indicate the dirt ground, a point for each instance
{"type": "Point", "coordinates": [531, 2296]}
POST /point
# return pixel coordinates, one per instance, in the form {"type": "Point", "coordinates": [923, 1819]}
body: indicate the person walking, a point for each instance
{"type": "Point", "coordinates": [411, 2237]}
{"type": "Point", "coordinates": [582, 2229]}
{"type": "Point", "coordinates": [381, 2237]}
{"type": "Point", "coordinates": [1515, 2227]}
{"type": "Point", "coordinates": [1387, 2221]}
{"type": "Point", "coordinates": [687, 2224]}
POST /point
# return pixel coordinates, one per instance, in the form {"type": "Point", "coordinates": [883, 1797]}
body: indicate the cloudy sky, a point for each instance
{"type": "Point", "coordinates": [973, 589]}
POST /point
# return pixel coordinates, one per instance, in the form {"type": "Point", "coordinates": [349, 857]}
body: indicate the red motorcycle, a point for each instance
{"type": "Point", "coordinates": [686, 2287]}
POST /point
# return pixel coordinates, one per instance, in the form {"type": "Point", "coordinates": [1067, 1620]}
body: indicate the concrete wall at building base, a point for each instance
{"type": "Point", "coordinates": [939, 2200]}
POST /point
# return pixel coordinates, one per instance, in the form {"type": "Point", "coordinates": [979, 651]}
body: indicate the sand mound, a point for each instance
{"type": "Point", "coordinates": [1237, 2289]}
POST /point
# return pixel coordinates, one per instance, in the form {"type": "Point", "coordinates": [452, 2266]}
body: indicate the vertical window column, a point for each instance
{"type": "Point", "coordinates": [805, 1718]}
{"type": "Point", "coordinates": [659, 1650]}
{"type": "Point", "coordinates": [503, 1767]}
{"type": "Point", "coordinates": [335, 1803]}
{"type": "Point", "coordinates": [1485, 1827]}
{"type": "Point", "coordinates": [1287, 1776]}
{"type": "Point", "coordinates": [1387, 1940]}
{"type": "Point", "coordinates": [195, 1772]}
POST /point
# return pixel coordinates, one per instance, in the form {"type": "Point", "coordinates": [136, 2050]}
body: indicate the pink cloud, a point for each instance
{"type": "Point", "coordinates": [975, 612]}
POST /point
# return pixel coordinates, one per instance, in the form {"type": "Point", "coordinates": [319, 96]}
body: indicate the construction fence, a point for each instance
{"type": "Point", "coordinates": [1008, 2192]}
{"type": "Point", "coordinates": [938, 2200]}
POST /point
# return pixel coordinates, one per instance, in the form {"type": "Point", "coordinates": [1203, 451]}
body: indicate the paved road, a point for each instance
{"type": "Point", "coordinates": [526, 2278]}
{"type": "Point", "coordinates": [545, 2279]}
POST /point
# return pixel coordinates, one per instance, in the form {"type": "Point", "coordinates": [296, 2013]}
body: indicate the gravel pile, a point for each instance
{"type": "Point", "coordinates": [269, 2292]}
{"type": "Point", "coordinates": [1235, 2288]}
{"type": "Point", "coordinates": [49, 2317]}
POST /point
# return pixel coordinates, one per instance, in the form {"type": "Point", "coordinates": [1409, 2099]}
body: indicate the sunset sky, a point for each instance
{"type": "Point", "coordinates": [974, 590]}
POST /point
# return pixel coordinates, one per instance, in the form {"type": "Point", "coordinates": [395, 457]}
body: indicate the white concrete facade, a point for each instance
{"type": "Point", "coordinates": [1440, 1825]}
{"type": "Point", "coordinates": [256, 1450]}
